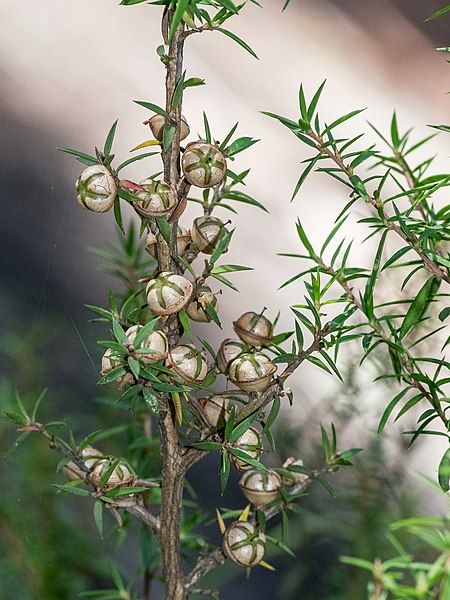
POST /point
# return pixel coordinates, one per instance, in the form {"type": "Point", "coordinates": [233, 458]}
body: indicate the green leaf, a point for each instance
{"type": "Point", "coordinates": [98, 516]}
{"type": "Point", "coordinates": [224, 472]}
{"type": "Point", "coordinates": [229, 269]}
{"type": "Point", "coordinates": [238, 40]}
{"type": "Point", "coordinates": [444, 472]}
{"type": "Point", "coordinates": [150, 399]}
{"type": "Point", "coordinates": [273, 414]}
{"type": "Point", "coordinates": [438, 13]}
{"type": "Point", "coordinates": [344, 118]}
{"type": "Point", "coordinates": [208, 446]}
{"type": "Point", "coordinates": [445, 312]}
{"type": "Point", "coordinates": [186, 323]}
{"type": "Point", "coordinates": [118, 214]}
{"type": "Point", "coordinates": [248, 459]}
{"type": "Point", "coordinates": [164, 228]}
{"type": "Point", "coordinates": [177, 17]}
{"type": "Point", "coordinates": [144, 332]}
{"type": "Point", "coordinates": [240, 145]}
{"type": "Point", "coordinates": [110, 139]}
{"type": "Point", "coordinates": [230, 423]}
{"type": "Point", "coordinates": [418, 307]}
{"type": "Point", "coordinates": [153, 108]}
{"type": "Point", "coordinates": [119, 333]}
{"type": "Point", "coordinates": [388, 411]}
{"type": "Point", "coordinates": [240, 429]}
{"type": "Point", "coordinates": [86, 159]}
{"type": "Point", "coordinates": [72, 490]}
{"type": "Point", "coordinates": [135, 159]}
{"type": "Point", "coordinates": [131, 2]}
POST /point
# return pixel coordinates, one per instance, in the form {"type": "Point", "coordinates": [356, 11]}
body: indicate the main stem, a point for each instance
{"type": "Point", "coordinates": [172, 472]}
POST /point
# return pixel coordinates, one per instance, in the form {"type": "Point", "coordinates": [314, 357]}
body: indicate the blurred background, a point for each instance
{"type": "Point", "coordinates": [68, 70]}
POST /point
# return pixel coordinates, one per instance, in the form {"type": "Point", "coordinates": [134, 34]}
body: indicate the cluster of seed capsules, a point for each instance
{"type": "Point", "coordinates": [242, 361]}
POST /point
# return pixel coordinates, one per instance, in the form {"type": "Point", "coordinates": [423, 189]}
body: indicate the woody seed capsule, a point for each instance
{"type": "Point", "coordinates": [96, 189]}
{"type": "Point", "coordinates": [168, 293]}
{"type": "Point", "coordinates": [244, 544]}
{"type": "Point", "coordinates": [187, 363]}
{"type": "Point", "coordinates": [203, 164]}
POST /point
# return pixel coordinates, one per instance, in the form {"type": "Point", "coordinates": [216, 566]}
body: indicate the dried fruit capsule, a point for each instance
{"type": "Point", "coordinates": [254, 329]}
{"type": "Point", "coordinates": [156, 343]}
{"type": "Point", "coordinates": [250, 443]}
{"type": "Point", "coordinates": [260, 487]}
{"type": "Point", "coordinates": [215, 409]}
{"type": "Point", "coordinates": [110, 361]}
{"type": "Point", "coordinates": [90, 458]}
{"type": "Point", "coordinates": [251, 372]}
{"type": "Point", "coordinates": [187, 363]}
{"type": "Point", "coordinates": [168, 293]}
{"type": "Point", "coordinates": [183, 241]}
{"type": "Point", "coordinates": [96, 189]}
{"type": "Point", "coordinates": [120, 475]}
{"type": "Point", "coordinates": [228, 351]}
{"type": "Point", "coordinates": [294, 477]}
{"type": "Point", "coordinates": [197, 308]}
{"type": "Point", "coordinates": [203, 164]}
{"type": "Point", "coordinates": [206, 232]}
{"type": "Point", "coordinates": [157, 122]}
{"type": "Point", "coordinates": [158, 199]}
{"type": "Point", "coordinates": [244, 544]}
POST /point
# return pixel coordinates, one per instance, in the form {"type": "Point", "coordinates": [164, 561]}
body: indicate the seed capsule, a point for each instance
{"type": "Point", "coordinates": [168, 293]}
{"type": "Point", "coordinates": [157, 122]}
{"type": "Point", "coordinates": [244, 544]}
{"type": "Point", "coordinates": [96, 189]}
{"type": "Point", "coordinates": [183, 241]}
{"type": "Point", "coordinates": [294, 478]}
{"type": "Point", "coordinates": [215, 409]}
{"type": "Point", "coordinates": [158, 199]}
{"type": "Point", "coordinates": [110, 361]}
{"type": "Point", "coordinates": [260, 487]}
{"type": "Point", "coordinates": [250, 443]}
{"type": "Point", "coordinates": [156, 343]}
{"type": "Point", "coordinates": [197, 308]}
{"type": "Point", "coordinates": [228, 351]}
{"type": "Point", "coordinates": [90, 458]}
{"type": "Point", "coordinates": [121, 475]}
{"type": "Point", "coordinates": [187, 363]}
{"type": "Point", "coordinates": [206, 232]}
{"type": "Point", "coordinates": [251, 372]}
{"type": "Point", "coordinates": [254, 329]}
{"type": "Point", "coordinates": [203, 164]}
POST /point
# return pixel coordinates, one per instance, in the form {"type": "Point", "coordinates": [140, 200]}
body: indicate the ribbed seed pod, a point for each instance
{"type": "Point", "coordinates": [187, 363]}
{"type": "Point", "coordinates": [244, 544]}
{"type": "Point", "coordinates": [251, 372]}
{"type": "Point", "coordinates": [159, 199]}
{"type": "Point", "coordinates": [157, 122]}
{"type": "Point", "coordinates": [294, 478]}
{"type": "Point", "coordinates": [206, 232]}
{"type": "Point", "coordinates": [250, 443]}
{"type": "Point", "coordinates": [203, 164]}
{"type": "Point", "coordinates": [90, 458]}
{"type": "Point", "coordinates": [96, 189]}
{"type": "Point", "coordinates": [121, 475]}
{"type": "Point", "coordinates": [156, 342]}
{"type": "Point", "coordinates": [197, 308]}
{"type": "Point", "coordinates": [254, 329]}
{"type": "Point", "coordinates": [168, 293]}
{"type": "Point", "coordinates": [110, 361]}
{"type": "Point", "coordinates": [216, 410]}
{"type": "Point", "coordinates": [260, 487]}
{"type": "Point", "coordinates": [228, 351]}
{"type": "Point", "coordinates": [183, 241]}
